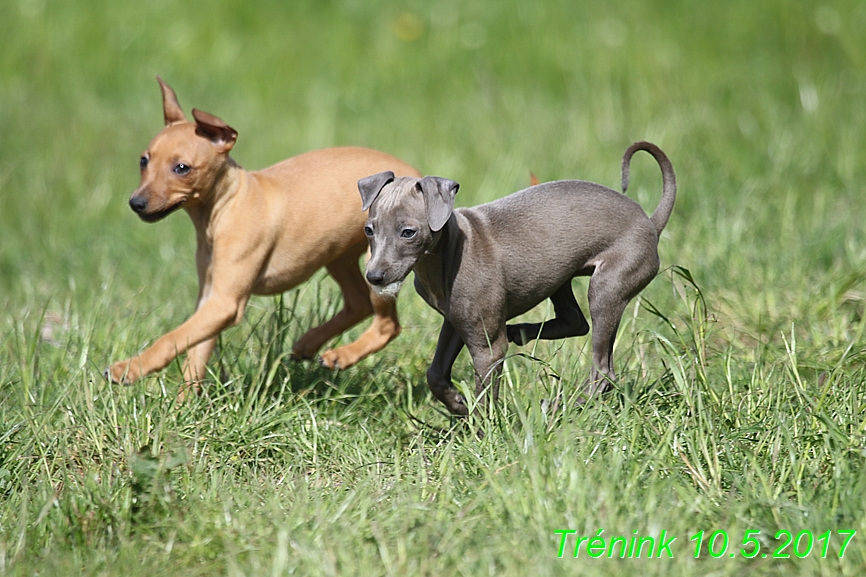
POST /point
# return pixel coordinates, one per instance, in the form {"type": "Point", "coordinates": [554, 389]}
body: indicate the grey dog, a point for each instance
{"type": "Point", "coordinates": [484, 265]}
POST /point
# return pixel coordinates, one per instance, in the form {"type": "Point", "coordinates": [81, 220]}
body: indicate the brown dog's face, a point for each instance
{"type": "Point", "coordinates": [176, 170]}
{"type": "Point", "coordinates": [182, 163]}
{"type": "Point", "coordinates": [404, 219]}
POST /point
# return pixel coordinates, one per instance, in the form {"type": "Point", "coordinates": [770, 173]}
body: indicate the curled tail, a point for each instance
{"type": "Point", "coordinates": [662, 212]}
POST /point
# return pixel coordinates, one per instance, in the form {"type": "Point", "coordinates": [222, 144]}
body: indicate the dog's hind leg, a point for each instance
{"type": "Point", "coordinates": [383, 330]}
{"type": "Point", "coordinates": [568, 322]}
{"type": "Point", "coordinates": [356, 307]}
{"type": "Point", "coordinates": [605, 324]}
{"type": "Point", "coordinates": [385, 327]}
{"type": "Point", "coordinates": [608, 298]}
{"type": "Point", "coordinates": [612, 285]}
{"type": "Point", "coordinates": [487, 350]}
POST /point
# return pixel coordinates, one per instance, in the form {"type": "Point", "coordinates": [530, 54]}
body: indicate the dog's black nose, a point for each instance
{"type": "Point", "coordinates": [375, 277]}
{"type": "Point", "coordinates": [138, 204]}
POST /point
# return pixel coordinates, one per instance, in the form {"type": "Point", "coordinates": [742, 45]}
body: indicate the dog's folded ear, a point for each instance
{"type": "Point", "coordinates": [371, 186]}
{"type": "Point", "coordinates": [218, 132]}
{"type": "Point", "coordinates": [170, 107]}
{"type": "Point", "coordinates": [438, 200]}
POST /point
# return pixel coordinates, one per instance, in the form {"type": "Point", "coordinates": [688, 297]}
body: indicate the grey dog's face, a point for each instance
{"type": "Point", "coordinates": [398, 233]}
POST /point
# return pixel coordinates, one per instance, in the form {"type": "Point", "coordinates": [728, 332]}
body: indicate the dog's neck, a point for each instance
{"type": "Point", "coordinates": [205, 208]}
{"type": "Point", "coordinates": [434, 269]}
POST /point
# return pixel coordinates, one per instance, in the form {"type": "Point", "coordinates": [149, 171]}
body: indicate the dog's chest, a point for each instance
{"type": "Point", "coordinates": [432, 298]}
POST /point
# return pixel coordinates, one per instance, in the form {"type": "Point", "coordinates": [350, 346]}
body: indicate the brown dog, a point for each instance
{"type": "Point", "coordinates": [259, 233]}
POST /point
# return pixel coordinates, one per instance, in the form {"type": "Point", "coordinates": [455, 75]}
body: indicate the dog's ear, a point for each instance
{"type": "Point", "coordinates": [218, 132]}
{"type": "Point", "coordinates": [170, 107]}
{"type": "Point", "coordinates": [371, 186]}
{"type": "Point", "coordinates": [438, 199]}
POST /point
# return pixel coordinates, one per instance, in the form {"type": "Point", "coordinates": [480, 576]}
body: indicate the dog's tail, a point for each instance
{"type": "Point", "coordinates": [662, 212]}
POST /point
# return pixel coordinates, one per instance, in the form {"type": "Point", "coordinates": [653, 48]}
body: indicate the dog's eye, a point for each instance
{"type": "Point", "coordinates": [143, 162]}
{"type": "Point", "coordinates": [182, 169]}
{"type": "Point", "coordinates": [408, 233]}
{"type": "Point", "coordinates": [368, 231]}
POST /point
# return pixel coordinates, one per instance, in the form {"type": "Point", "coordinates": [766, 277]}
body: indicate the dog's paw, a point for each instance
{"type": "Point", "coordinates": [188, 390]}
{"type": "Point", "coordinates": [297, 357]}
{"type": "Point", "coordinates": [303, 353]}
{"type": "Point", "coordinates": [517, 334]}
{"type": "Point", "coordinates": [456, 404]}
{"type": "Point", "coordinates": [339, 358]}
{"type": "Point", "coordinates": [122, 372]}
{"type": "Point", "coordinates": [593, 387]}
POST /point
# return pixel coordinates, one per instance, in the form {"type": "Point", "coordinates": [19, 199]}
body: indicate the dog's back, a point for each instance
{"type": "Point", "coordinates": [563, 209]}
{"type": "Point", "coordinates": [538, 238]}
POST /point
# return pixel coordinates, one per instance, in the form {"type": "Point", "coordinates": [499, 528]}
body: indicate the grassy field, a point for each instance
{"type": "Point", "coordinates": [741, 405]}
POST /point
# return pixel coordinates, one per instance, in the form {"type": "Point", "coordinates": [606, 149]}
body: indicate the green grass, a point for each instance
{"type": "Point", "coordinates": [741, 403]}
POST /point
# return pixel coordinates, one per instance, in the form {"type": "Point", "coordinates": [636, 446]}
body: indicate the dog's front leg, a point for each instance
{"type": "Point", "coordinates": [195, 364]}
{"type": "Point", "coordinates": [195, 367]}
{"type": "Point", "coordinates": [439, 374]}
{"type": "Point", "coordinates": [216, 314]}
{"type": "Point", "coordinates": [231, 282]}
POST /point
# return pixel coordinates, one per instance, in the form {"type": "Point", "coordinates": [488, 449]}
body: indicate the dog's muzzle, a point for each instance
{"type": "Point", "coordinates": [139, 206]}
{"type": "Point", "coordinates": [388, 291]}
